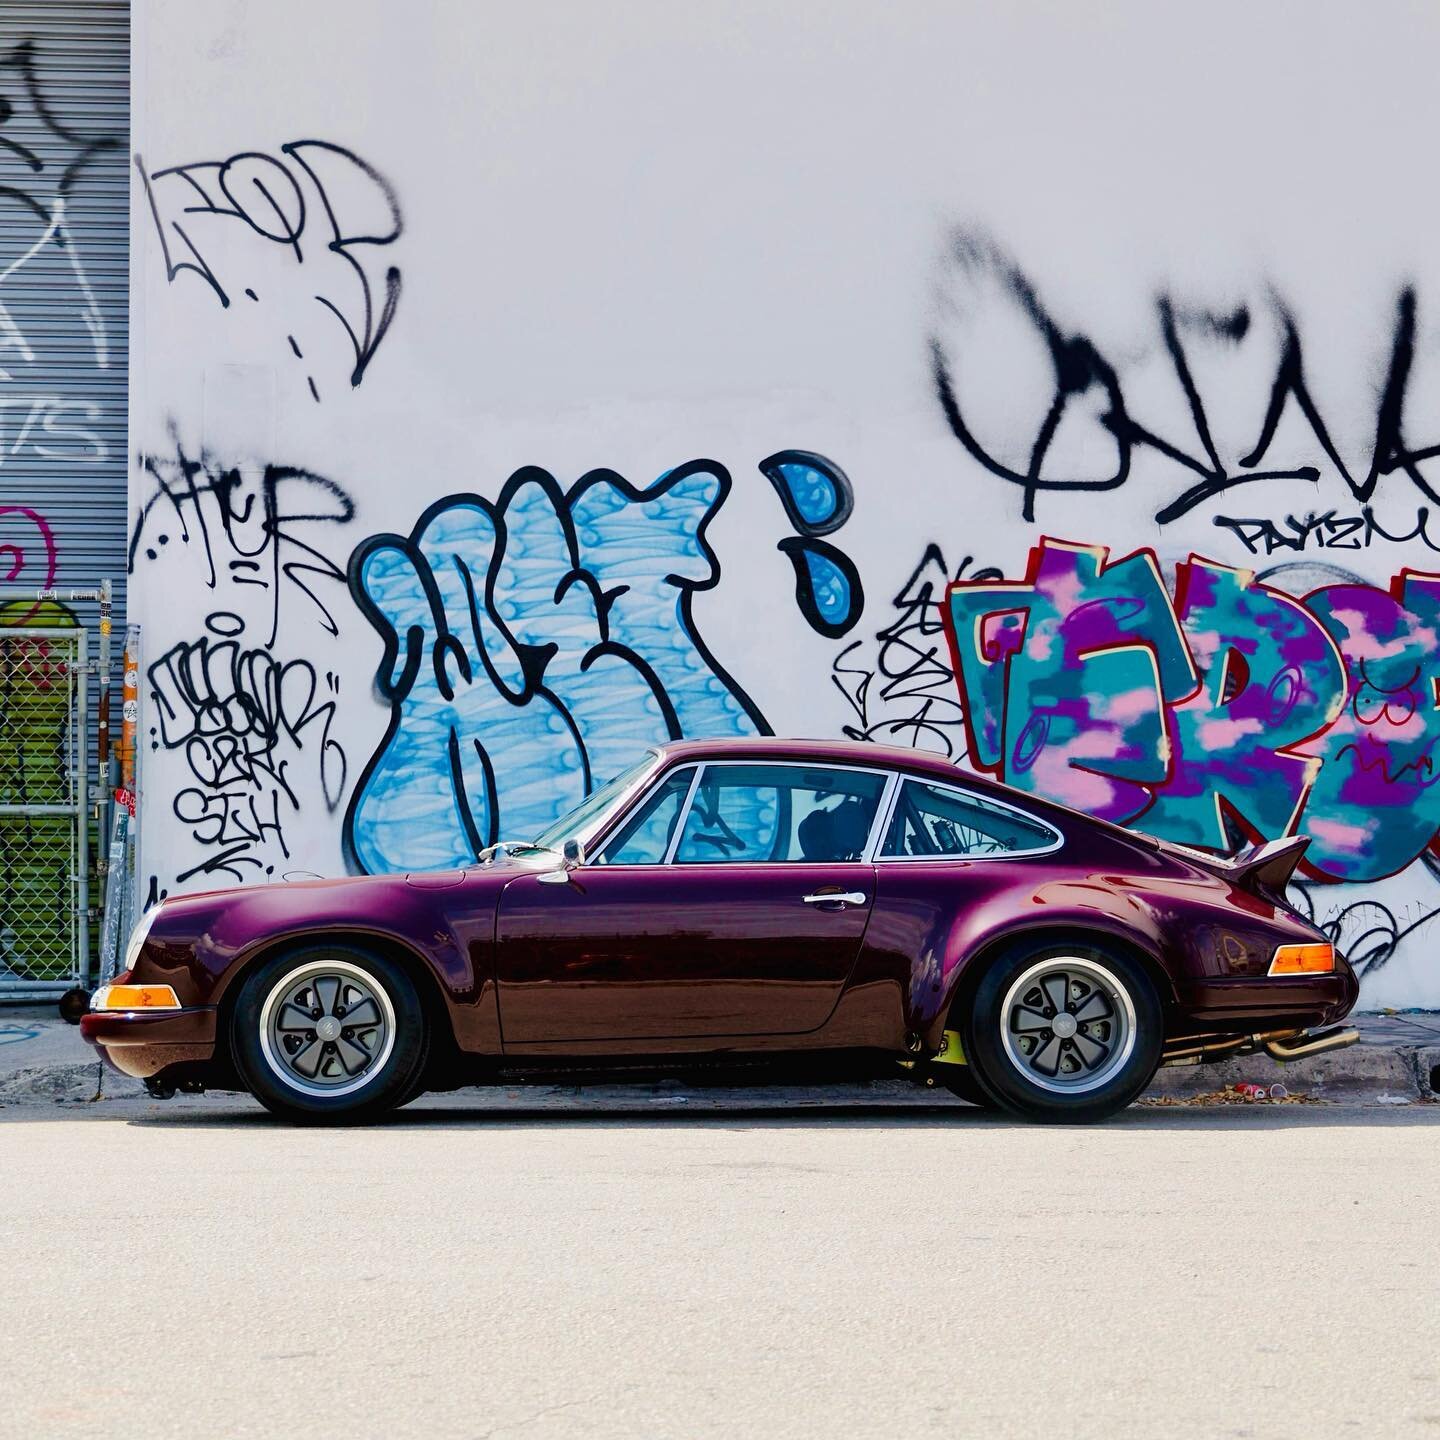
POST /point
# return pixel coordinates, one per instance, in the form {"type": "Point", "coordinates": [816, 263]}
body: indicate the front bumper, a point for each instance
{"type": "Point", "coordinates": [142, 1044]}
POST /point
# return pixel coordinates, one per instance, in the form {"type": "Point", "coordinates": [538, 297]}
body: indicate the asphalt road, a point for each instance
{"type": "Point", "coordinates": [199, 1270]}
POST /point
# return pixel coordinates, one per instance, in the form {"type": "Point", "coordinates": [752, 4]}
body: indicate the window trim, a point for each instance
{"type": "Point", "coordinates": [603, 826]}
{"type": "Point", "coordinates": [902, 776]}
{"type": "Point", "coordinates": [683, 815]}
{"type": "Point", "coordinates": [639, 801]}
{"type": "Point", "coordinates": [883, 807]}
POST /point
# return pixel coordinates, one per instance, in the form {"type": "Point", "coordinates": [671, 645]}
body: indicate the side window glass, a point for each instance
{"type": "Point", "coordinates": [644, 839]}
{"type": "Point", "coordinates": [772, 814]}
{"type": "Point", "coordinates": [936, 820]}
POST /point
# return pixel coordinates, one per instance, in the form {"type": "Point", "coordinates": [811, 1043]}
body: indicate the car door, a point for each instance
{"type": "Point", "coordinates": [731, 902]}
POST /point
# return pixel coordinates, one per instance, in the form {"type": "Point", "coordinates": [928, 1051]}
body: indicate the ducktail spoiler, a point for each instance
{"type": "Point", "coordinates": [1265, 870]}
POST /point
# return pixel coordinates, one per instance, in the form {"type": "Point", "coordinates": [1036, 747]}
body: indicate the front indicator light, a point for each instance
{"type": "Point", "coordinates": [1303, 960]}
{"type": "Point", "coordinates": [135, 997]}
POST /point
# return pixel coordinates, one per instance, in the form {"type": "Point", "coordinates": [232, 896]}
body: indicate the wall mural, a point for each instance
{"type": "Point", "coordinates": [531, 641]}
{"type": "Point", "coordinates": [1235, 708]}
{"type": "Point", "coordinates": [533, 644]}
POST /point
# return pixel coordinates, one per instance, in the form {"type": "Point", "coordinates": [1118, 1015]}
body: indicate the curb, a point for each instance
{"type": "Point", "coordinates": [69, 1083]}
{"type": "Point", "coordinates": [1380, 1074]}
{"type": "Point", "coordinates": [1364, 1074]}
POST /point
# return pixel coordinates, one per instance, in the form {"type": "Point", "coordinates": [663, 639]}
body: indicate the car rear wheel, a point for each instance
{"type": "Point", "coordinates": [329, 1034]}
{"type": "Point", "coordinates": [960, 1081]}
{"type": "Point", "coordinates": [1065, 1032]}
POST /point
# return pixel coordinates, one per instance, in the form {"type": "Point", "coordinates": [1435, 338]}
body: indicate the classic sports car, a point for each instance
{"type": "Point", "coordinates": [726, 909]}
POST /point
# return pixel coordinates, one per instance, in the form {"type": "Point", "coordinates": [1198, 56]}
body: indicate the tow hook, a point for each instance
{"type": "Point", "coordinates": [1313, 1042]}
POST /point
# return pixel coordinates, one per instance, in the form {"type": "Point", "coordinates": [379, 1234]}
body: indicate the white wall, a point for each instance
{"type": "Point", "coordinates": [637, 236]}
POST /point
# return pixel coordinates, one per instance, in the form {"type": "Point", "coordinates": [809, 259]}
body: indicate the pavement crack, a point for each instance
{"type": "Point", "coordinates": [540, 1414]}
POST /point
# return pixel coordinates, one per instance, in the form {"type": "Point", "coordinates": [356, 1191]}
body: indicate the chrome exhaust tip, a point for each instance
{"type": "Point", "coordinates": [1313, 1042]}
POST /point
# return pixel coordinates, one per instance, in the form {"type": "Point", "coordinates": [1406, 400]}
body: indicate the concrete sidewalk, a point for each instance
{"type": "Point", "coordinates": [1397, 1062]}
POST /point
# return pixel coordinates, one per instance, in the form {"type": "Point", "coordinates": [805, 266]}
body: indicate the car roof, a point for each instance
{"type": "Point", "coordinates": [837, 752]}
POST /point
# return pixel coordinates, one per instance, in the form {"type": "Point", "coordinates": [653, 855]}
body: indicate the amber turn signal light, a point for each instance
{"type": "Point", "coordinates": [1303, 960]}
{"type": "Point", "coordinates": [135, 997]}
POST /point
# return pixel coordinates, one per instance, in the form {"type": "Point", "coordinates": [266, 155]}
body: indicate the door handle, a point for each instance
{"type": "Point", "coordinates": [837, 897]}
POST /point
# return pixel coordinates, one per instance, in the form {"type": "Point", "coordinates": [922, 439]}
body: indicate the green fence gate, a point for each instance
{"type": "Point", "coordinates": [44, 805]}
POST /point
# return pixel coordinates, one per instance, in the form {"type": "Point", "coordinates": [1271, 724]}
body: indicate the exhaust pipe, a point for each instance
{"type": "Point", "coordinates": [1207, 1049]}
{"type": "Point", "coordinates": [1315, 1042]}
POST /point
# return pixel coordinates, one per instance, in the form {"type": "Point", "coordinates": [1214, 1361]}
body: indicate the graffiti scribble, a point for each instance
{"type": "Point", "coordinates": [321, 205]}
{"type": "Point", "coordinates": [240, 719]}
{"type": "Point", "coordinates": [256, 521]}
{"type": "Point", "coordinates": [1083, 434]}
{"type": "Point", "coordinates": [901, 685]}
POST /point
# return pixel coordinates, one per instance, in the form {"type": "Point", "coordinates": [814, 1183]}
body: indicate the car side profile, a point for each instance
{"type": "Point", "coordinates": [732, 908]}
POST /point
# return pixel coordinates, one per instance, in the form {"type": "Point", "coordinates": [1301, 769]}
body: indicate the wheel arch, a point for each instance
{"type": "Point", "coordinates": [438, 1020]}
{"type": "Point", "coordinates": [967, 981]}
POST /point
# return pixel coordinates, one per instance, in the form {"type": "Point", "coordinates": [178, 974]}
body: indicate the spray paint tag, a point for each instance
{"type": "Point", "coordinates": [950, 1052]}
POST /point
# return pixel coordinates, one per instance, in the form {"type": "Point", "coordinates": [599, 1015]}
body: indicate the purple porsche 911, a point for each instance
{"type": "Point", "coordinates": [737, 910]}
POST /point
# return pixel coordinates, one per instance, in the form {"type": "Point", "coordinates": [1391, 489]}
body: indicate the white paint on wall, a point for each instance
{"type": "Point", "coordinates": [632, 237]}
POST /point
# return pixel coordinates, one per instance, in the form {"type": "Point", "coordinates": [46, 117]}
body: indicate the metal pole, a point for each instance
{"type": "Point", "coordinates": [130, 713]}
{"type": "Point", "coordinates": [129, 772]}
{"type": "Point", "coordinates": [82, 810]}
{"type": "Point", "coordinates": [102, 732]}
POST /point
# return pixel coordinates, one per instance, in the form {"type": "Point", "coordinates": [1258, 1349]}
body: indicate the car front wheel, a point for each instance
{"type": "Point", "coordinates": [329, 1034]}
{"type": "Point", "coordinates": [1065, 1032]}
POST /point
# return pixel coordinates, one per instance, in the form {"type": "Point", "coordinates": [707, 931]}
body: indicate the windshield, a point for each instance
{"type": "Point", "coordinates": [592, 807]}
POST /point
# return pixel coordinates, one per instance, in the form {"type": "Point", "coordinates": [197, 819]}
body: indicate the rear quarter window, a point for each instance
{"type": "Point", "coordinates": [939, 821]}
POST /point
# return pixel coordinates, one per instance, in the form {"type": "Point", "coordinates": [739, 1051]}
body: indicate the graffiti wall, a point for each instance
{"type": "Point", "coordinates": [515, 390]}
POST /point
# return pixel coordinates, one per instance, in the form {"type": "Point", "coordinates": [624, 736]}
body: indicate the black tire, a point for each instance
{"type": "Point", "coordinates": [994, 1042]}
{"type": "Point", "coordinates": [396, 1048]}
{"type": "Point", "coordinates": [961, 1081]}
{"type": "Point", "coordinates": [73, 1004]}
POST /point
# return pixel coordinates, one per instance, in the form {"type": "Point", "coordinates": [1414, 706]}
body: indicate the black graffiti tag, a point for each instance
{"type": "Point", "coordinates": [324, 204]}
{"type": "Point", "coordinates": [901, 685]}
{"type": "Point", "coordinates": [1081, 377]}
{"type": "Point", "coordinates": [255, 520]}
{"type": "Point", "coordinates": [240, 718]}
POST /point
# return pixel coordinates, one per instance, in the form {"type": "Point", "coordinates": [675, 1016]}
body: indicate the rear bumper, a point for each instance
{"type": "Point", "coordinates": [142, 1045]}
{"type": "Point", "coordinates": [1300, 1002]}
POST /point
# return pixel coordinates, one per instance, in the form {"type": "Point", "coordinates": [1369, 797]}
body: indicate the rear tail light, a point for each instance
{"type": "Point", "coordinates": [1303, 960]}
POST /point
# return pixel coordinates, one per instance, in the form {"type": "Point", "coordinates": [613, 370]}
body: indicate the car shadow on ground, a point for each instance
{"type": "Point", "coordinates": [583, 1107]}
{"type": "Point", "coordinates": [440, 1114]}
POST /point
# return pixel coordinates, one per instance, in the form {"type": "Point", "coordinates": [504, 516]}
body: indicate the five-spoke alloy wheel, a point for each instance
{"type": "Point", "coordinates": [327, 1026]}
{"type": "Point", "coordinates": [1068, 1024]}
{"type": "Point", "coordinates": [329, 1033]}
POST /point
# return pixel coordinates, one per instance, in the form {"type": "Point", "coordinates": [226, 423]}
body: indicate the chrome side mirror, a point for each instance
{"type": "Point", "coordinates": [572, 852]}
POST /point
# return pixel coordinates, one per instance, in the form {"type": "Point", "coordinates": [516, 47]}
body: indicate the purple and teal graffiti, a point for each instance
{"type": "Point", "coordinates": [1233, 707]}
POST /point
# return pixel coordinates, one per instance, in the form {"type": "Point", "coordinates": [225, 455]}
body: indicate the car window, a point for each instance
{"type": "Point", "coordinates": [592, 807]}
{"type": "Point", "coordinates": [747, 814]}
{"type": "Point", "coordinates": [644, 839]}
{"type": "Point", "coordinates": [936, 820]}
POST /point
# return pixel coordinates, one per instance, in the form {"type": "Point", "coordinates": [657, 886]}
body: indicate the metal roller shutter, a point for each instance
{"type": "Point", "coordinates": [64, 274]}
{"type": "Point", "coordinates": [64, 310]}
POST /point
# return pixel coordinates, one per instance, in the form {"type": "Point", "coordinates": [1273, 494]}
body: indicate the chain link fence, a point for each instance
{"type": "Point", "coordinates": [44, 852]}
